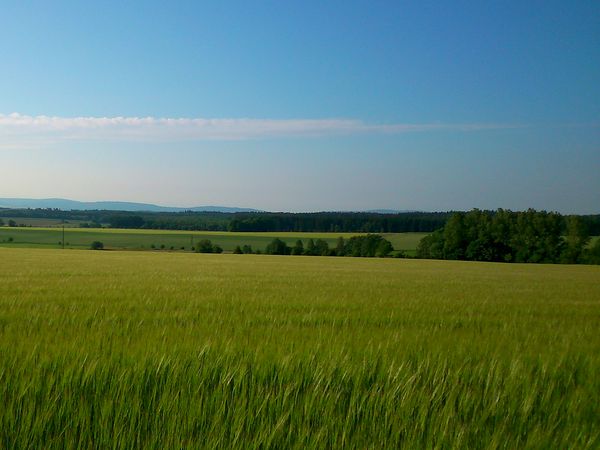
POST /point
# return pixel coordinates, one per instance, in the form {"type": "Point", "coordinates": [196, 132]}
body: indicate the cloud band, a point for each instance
{"type": "Point", "coordinates": [14, 127]}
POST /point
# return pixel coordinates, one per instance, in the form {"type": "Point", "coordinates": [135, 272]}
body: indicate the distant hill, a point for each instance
{"type": "Point", "coordinates": [73, 205]}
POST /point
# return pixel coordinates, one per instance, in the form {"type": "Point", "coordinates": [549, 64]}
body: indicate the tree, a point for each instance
{"type": "Point", "coordinates": [384, 248]}
{"type": "Point", "coordinates": [455, 237]}
{"type": "Point", "coordinates": [298, 248]}
{"type": "Point", "coordinates": [321, 248]}
{"type": "Point", "coordinates": [97, 245]}
{"type": "Point", "coordinates": [340, 248]}
{"type": "Point", "coordinates": [277, 247]}
{"type": "Point", "coordinates": [592, 256]}
{"type": "Point", "coordinates": [247, 249]}
{"type": "Point", "coordinates": [576, 240]}
{"type": "Point", "coordinates": [12, 223]}
{"type": "Point", "coordinates": [310, 248]}
{"type": "Point", "coordinates": [237, 250]}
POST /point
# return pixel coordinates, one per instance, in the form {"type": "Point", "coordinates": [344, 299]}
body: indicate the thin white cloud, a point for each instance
{"type": "Point", "coordinates": [23, 130]}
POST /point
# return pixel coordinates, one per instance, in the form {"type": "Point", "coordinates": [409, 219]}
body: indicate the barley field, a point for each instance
{"type": "Point", "coordinates": [177, 350]}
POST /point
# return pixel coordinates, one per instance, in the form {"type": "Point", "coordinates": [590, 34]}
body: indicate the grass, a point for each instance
{"type": "Point", "coordinates": [144, 239]}
{"type": "Point", "coordinates": [171, 350]}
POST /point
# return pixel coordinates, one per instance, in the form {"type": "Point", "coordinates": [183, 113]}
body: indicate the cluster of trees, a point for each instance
{"type": "Point", "coordinates": [506, 236]}
{"type": "Point", "coordinates": [244, 250]}
{"type": "Point", "coordinates": [206, 246]}
{"type": "Point", "coordinates": [264, 221]}
{"type": "Point", "coordinates": [370, 245]}
{"type": "Point", "coordinates": [187, 220]}
{"type": "Point", "coordinates": [192, 221]}
{"type": "Point", "coordinates": [254, 221]}
{"type": "Point", "coordinates": [338, 222]}
{"type": "Point", "coordinates": [284, 222]}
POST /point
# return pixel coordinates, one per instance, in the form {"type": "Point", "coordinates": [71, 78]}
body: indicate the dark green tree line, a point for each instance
{"type": "Point", "coordinates": [506, 236]}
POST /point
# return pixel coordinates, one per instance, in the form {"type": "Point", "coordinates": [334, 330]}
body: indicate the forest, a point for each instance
{"type": "Point", "coordinates": [506, 236]}
{"type": "Point", "coordinates": [352, 222]}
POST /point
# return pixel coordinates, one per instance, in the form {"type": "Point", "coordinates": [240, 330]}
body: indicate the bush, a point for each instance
{"type": "Point", "coordinates": [97, 245]}
{"type": "Point", "coordinates": [204, 246]}
{"type": "Point", "coordinates": [237, 250]}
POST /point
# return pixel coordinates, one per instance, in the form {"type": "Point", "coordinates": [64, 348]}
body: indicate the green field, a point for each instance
{"type": "Point", "coordinates": [144, 239]}
{"type": "Point", "coordinates": [180, 350]}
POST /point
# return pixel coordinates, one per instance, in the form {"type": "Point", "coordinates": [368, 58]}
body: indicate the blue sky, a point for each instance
{"type": "Point", "coordinates": [303, 106]}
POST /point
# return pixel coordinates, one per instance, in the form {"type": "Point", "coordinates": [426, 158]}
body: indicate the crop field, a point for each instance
{"type": "Point", "coordinates": [179, 350]}
{"type": "Point", "coordinates": [145, 239]}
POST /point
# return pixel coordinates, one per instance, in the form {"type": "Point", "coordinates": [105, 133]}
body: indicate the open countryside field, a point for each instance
{"type": "Point", "coordinates": [144, 239]}
{"type": "Point", "coordinates": [154, 350]}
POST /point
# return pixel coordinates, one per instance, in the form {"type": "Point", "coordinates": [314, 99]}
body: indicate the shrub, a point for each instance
{"type": "Point", "coordinates": [204, 246]}
{"type": "Point", "coordinates": [97, 245]}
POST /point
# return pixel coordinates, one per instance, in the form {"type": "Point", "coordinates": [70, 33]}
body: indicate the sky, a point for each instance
{"type": "Point", "coordinates": [303, 106]}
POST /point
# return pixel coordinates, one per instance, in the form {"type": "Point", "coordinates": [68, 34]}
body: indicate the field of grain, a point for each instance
{"type": "Point", "coordinates": [178, 240]}
{"type": "Point", "coordinates": [172, 350]}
